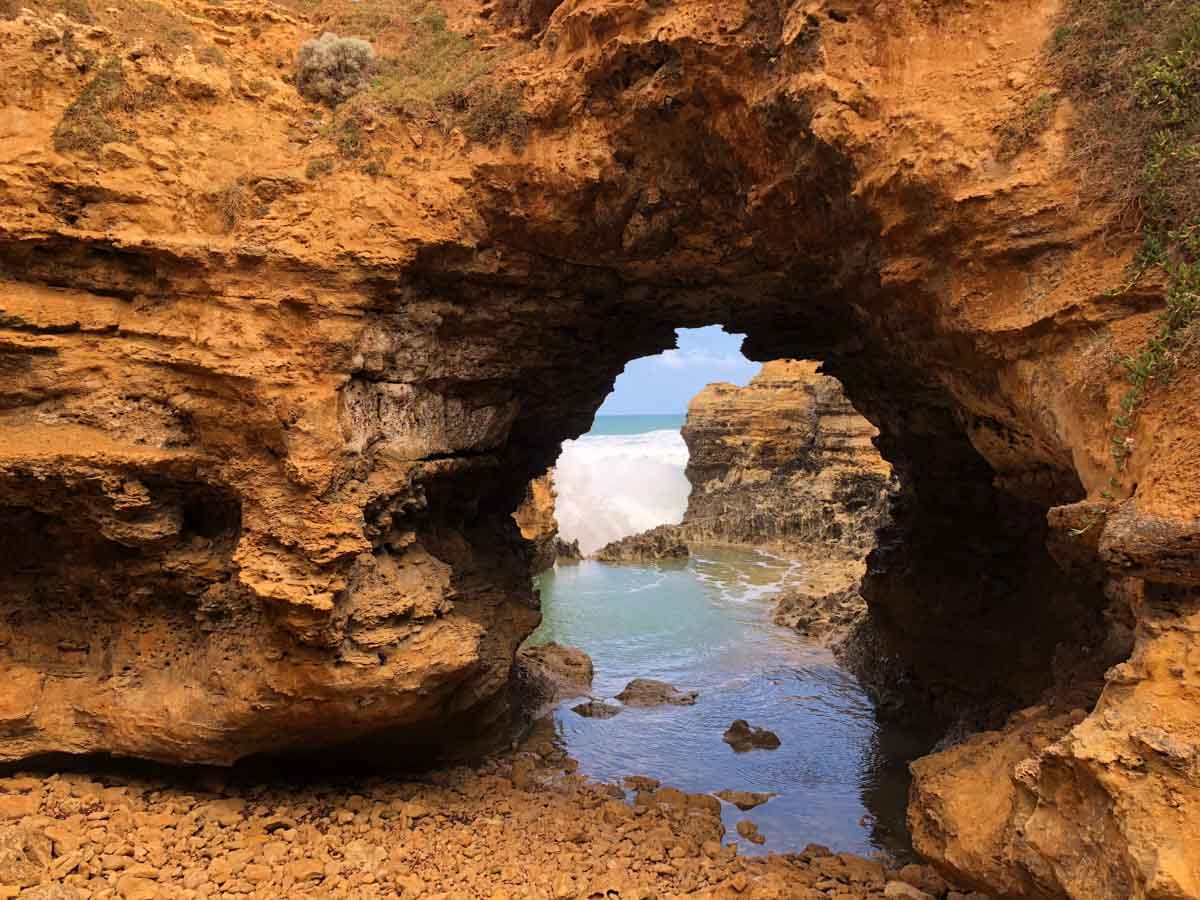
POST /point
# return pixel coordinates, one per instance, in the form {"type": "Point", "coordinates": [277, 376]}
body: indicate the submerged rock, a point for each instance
{"type": "Point", "coordinates": [742, 737]}
{"type": "Point", "coordinates": [596, 709]}
{"type": "Point", "coordinates": [649, 692]}
{"type": "Point", "coordinates": [663, 542]}
{"type": "Point", "coordinates": [744, 800]}
{"type": "Point", "coordinates": [750, 832]}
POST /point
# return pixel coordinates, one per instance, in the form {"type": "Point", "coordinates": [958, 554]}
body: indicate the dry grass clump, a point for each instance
{"type": "Point", "coordinates": [9, 9]}
{"type": "Point", "coordinates": [77, 10]}
{"type": "Point", "coordinates": [318, 167]}
{"type": "Point", "coordinates": [1032, 120]}
{"type": "Point", "coordinates": [495, 113]}
{"type": "Point", "coordinates": [232, 204]}
{"type": "Point", "coordinates": [332, 69]}
{"type": "Point", "coordinates": [85, 125]}
{"type": "Point", "coordinates": [435, 65]}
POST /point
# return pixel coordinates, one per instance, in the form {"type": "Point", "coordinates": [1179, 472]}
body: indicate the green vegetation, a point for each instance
{"type": "Point", "coordinates": [1133, 68]}
{"type": "Point", "coordinates": [435, 65]}
{"type": "Point", "coordinates": [493, 114]}
{"type": "Point", "coordinates": [85, 125]}
{"type": "Point", "coordinates": [78, 10]}
{"type": "Point", "coordinates": [442, 76]}
{"type": "Point", "coordinates": [332, 69]}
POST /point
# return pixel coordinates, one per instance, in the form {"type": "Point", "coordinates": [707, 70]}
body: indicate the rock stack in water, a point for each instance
{"type": "Point", "coordinates": [784, 461]}
{"type": "Point", "coordinates": [787, 463]}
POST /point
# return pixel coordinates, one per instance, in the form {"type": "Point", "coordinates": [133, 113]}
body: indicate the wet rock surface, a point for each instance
{"type": "Point", "coordinates": [743, 737]}
{"type": "Point", "coordinates": [744, 800]}
{"type": "Point", "coordinates": [596, 709]}
{"type": "Point", "coordinates": [650, 692]}
{"type": "Point", "coordinates": [825, 603]}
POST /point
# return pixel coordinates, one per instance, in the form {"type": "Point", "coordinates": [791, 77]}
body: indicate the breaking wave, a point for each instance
{"type": "Point", "coordinates": [613, 485]}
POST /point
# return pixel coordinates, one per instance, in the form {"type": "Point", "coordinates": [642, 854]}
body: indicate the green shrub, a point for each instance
{"type": "Point", "coordinates": [332, 69]}
{"type": "Point", "coordinates": [493, 114]}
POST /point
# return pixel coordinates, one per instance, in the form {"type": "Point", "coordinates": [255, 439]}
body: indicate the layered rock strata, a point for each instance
{"type": "Point", "coordinates": [784, 461]}
{"type": "Point", "coordinates": [275, 379]}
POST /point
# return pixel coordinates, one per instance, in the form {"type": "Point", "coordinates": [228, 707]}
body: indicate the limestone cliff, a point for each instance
{"type": "Point", "coordinates": [276, 376]}
{"type": "Point", "coordinates": [785, 460]}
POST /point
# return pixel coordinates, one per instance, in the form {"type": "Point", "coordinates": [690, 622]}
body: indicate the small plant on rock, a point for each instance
{"type": "Point", "coordinates": [332, 69]}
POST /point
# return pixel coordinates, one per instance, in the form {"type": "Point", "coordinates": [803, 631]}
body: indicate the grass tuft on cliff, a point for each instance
{"type": "Point", "coordinates": [85, 125]}
{"type": "Point", "coordinates": [442, 76]}
{"type": "Point", "coordinates": [1133, 70]}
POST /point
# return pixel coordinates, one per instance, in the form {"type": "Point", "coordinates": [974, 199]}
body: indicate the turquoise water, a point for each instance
{"type": "Point", "coordinates": [706, 625]}
{"type": "Point", "coordinates": [635, 424]}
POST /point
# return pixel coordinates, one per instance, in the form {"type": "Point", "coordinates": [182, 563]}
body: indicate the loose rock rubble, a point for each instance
{"type": "Point", "coordinates": [518, 826]}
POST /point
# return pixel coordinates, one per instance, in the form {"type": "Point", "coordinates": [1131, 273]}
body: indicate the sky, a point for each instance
{"type": "Point", "coordinates": [665, 383]}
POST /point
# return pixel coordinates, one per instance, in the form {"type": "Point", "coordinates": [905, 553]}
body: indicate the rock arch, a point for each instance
{"type": "Point", "coordinates": [271, 472]}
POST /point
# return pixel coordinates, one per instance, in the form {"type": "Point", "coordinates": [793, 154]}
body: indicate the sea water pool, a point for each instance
{"type": "Point", "coordinates": [841, 778]}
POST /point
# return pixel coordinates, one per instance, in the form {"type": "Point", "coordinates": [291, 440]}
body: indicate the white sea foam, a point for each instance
{"type": "Point", "coordinates": [613, 485]}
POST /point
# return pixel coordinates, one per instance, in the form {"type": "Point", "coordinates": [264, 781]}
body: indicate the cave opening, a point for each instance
{"type": "Point", "coordinates": [971, 613]}
{"type": "Point", "coordinates": [723, 510]}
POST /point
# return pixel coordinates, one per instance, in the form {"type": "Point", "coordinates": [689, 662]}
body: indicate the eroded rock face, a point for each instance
{"type": "Point", "coordinates": [785, 460]}
{"type": "Point", "coordinates": [535, 518]}
{"type": "Point", "coordinates": [262, 433]}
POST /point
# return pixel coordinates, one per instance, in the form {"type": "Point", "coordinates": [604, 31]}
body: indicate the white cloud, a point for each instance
{"type": "Point", "coordinates": [702, 359]}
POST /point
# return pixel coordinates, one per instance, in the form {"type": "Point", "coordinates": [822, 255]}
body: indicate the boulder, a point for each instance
{"type": "Point", "coordinates": [548, 673]}
{"type": "Point", "coordinates": [743, 738]}
{"type": "Point", "coordinates": [649, 692]}
{"type": "Point", "coordinates": [744, 800]}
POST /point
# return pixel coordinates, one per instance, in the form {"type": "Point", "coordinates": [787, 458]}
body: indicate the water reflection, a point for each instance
{"type": "Point", "coordinates": [704, 624]}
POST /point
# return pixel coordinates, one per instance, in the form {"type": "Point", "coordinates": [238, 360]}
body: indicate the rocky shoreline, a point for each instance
{"type": "Point", "coordinates": [518, 826]}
